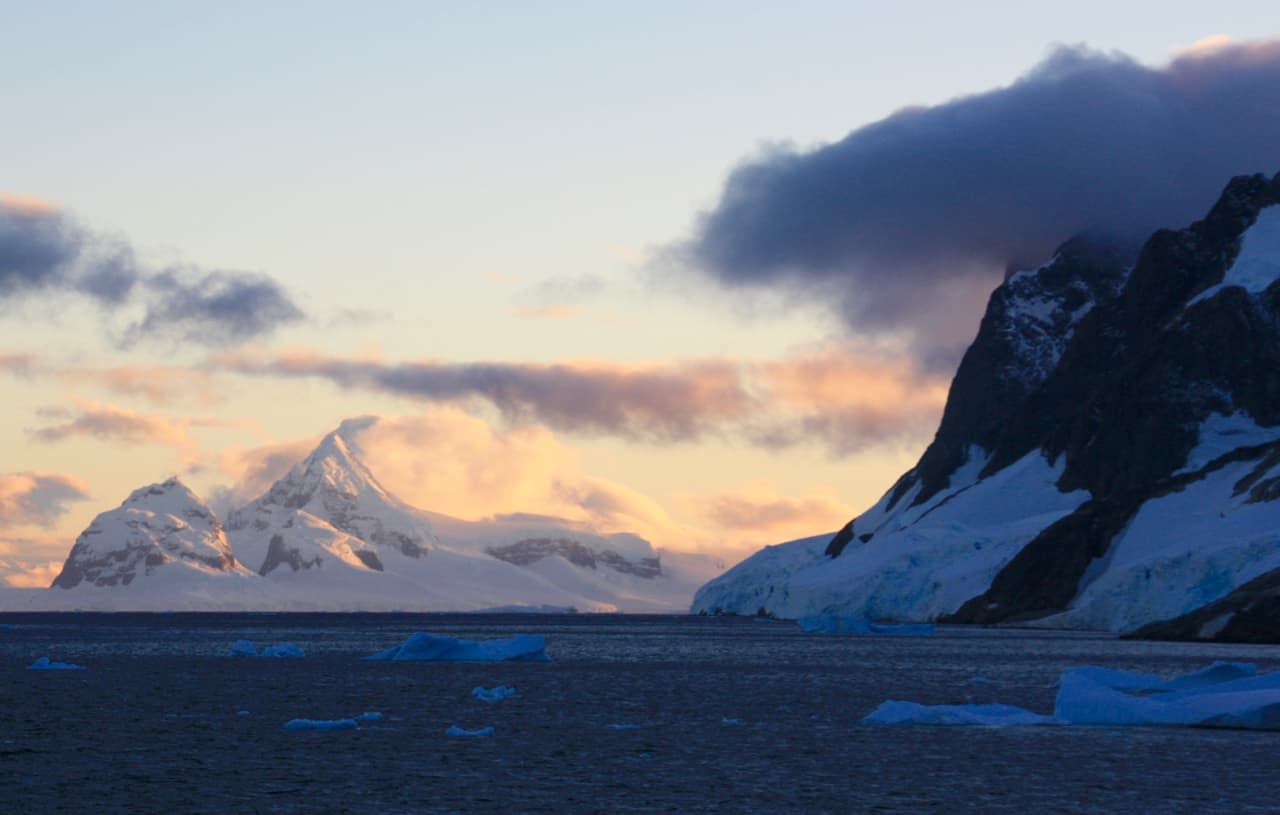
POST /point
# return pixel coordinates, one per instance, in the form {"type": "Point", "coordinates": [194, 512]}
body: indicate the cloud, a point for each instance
{"type": "Point", "coordinates": [759, 512]}
{"type": "Point", "coordinates": [657, 403]}
{"type": "Point", "coordinates": [44, 251]}
{"type": "Point", "coordinates": [37, 498]}
{"type": "Point", "coordinates": [843, 395]}
{"type": "Point", "coordinates": [112, 423]}
{"type": "Point", "coordinates": [158, 384]}
{"type": "Point", "coordinates": [889, 222]}
{"type": "Point", "coordinates": [121, 425]}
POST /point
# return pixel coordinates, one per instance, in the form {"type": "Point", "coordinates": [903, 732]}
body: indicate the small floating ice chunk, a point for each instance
{"type": "Point", "coordinates": [495, 694]}
{"type": "Point", "coordinates": [242, 713]}
{"type": "Point", "coordinates": [731, 721]}
{"type": "Point", "coordinates": [243, 648]}
{"type": "Point", "coordinates": [988, 715]}
{"type": "Point", "coordinates": [284, 649]}
{"type": "Point", "coordinates": [980, 680]}
{"type": "Point", "coordinates": [44, 664]}
{"type": "Point", "coordinates": [836, 624]}
{"type": "Point", "coordinates": [369, 716]}
{"type": "Point", "coordinates": [454, 730]}
{"type": "Point", "coordinates": [623, 726]}
{"type": "Point", "coordinates": [431, 648]}
{"type": "Point", "coordinates": [320, 724]}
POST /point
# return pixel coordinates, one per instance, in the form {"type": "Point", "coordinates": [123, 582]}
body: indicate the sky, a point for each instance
{"type": "Point", "coordinates": [700, 271]}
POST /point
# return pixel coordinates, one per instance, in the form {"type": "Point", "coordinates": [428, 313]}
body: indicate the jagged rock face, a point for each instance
{"type": "Point", "coordinates": [163, 526]}
{"type": "Point", "coordinates": [1151, 392]}
{"type": "Point", "coordinates": [1028, 325]}
{"type": "Point", "coordinates": [531, 550]}
{"type": "Point", "coordinates": [1145, 370]}
{"type": "Point", "coordinates": [329, 505]}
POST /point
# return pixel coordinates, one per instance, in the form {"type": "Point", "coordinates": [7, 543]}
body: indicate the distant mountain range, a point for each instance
{"type": "Point", "coordinates": [1108, 458]}
{"type": "Point", "coordinates": [329, 536]}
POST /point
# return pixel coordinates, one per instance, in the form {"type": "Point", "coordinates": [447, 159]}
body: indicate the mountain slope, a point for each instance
{"type": "Point", "coordinates": [1136, 403]}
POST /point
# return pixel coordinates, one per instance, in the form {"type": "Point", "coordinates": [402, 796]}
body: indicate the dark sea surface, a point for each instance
{"type": "Point", "coordinates": [734, 715]}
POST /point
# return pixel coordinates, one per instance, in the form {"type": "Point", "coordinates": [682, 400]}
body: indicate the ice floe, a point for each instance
{"type": "Point", "coordinates": [990, 715]}
{"type": "Point", "coordinates": [369, 716]}
{"type": "Point", "coordinates": [454, 730]}
{"type": "Point", "coordinates": [495, 694]}
{"type": "Point", "coordinates": [45, 664]}
{"type": "Point", "coordinates": [246, 648]}
{"type": "Point", "coordinates": [431, 648]}
{"type": "Point", "coordinates": [320, 724]}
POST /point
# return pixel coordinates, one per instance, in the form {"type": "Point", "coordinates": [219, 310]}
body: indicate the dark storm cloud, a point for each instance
{"type": "Point", "coordinates": [45, 252]}
{"type": "Point", "coordinates": [213, 308]}
{"type": "Point", "coordinates": [1085, 142]}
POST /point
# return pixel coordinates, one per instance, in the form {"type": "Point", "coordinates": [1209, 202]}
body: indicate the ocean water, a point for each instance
{"type": "Point", "coordinates": [730, 715]}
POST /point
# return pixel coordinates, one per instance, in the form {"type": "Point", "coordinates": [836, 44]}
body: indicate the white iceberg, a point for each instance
{"type": "Point", "coordinates": [454, 730]}
{"type": "Point", "coordinates": [431, 648]}
{"type": "Point", "coordinates": [369, 716]}
{"type": "Point", "coordinates": [320, 724]}
{"type": "Point", "coordinates": [990, 715]}
{"type": "Point", "coordinates": [838, 624]}
{"type": "Point", "coordinates": [284, 649]}
{"type": "Point", "coordinates": [44, 664]}
{"type": "Point", "coordinates": [496, 694]}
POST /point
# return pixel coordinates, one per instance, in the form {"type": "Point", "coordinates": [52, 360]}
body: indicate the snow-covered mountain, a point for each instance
{"type": "Point", "coordinates": [1108, 457]}
{"type": "Point", "coordinates": [329, 536]}
{"type": "Point", "coordinates": [161, 535]}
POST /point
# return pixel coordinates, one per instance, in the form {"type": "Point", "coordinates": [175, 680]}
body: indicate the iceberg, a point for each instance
{"type": "Point", "coordinates": [44, 664]}
{"type": "Point", "coordinates": [837, 624]}
{"type": "Point", "coordinates": [1251, 702]}
{"type": "Point", "coordinates": [623, 726]}
{"type": "Point", "coordinates": [431, 648]}
{"type": "Point", "coordinates": [496, 694]}
{"type": "Point", "coordinates": [369, 716]}
{"type": "Point", "coordinates": [320, 724]}
{"type": "Point", "coordinates": [454, 730]}
{"type": "Point", "coordinates": [990, 715]}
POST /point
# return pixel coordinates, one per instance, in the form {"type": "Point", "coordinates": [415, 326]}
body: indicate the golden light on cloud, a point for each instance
{"type": "Point", "coordinates": [1204, 46]}
{"type": "Point", "coordinates": [29, 204]}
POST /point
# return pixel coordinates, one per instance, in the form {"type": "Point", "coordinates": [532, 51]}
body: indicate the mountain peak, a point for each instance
{"type": "Point", "coordinates": [156, 525]}
{"type": "Point", "coordinates": [334, 487]}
